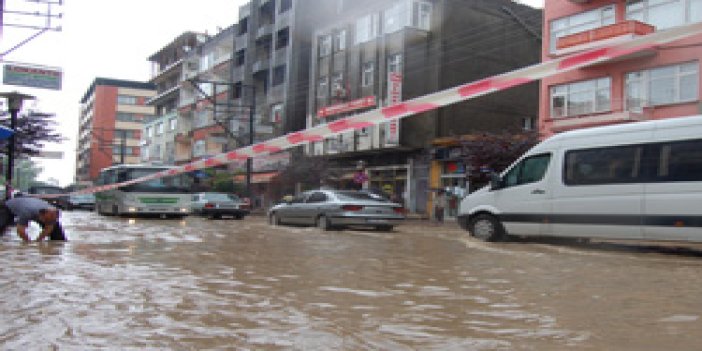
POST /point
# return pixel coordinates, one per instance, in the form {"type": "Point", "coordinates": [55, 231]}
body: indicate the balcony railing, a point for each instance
{"type": "Point", "coordinates": [641, 112]}
{"type": "Point", "coordinates": [625, 29]}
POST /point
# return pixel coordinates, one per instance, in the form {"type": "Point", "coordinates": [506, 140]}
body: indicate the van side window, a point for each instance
{"type": "Point", "coordinates": [608, 165]}
{"type": "Point", "coordinates": [529, 170]}
{"type": "Point", "coordinates": [680, 161]}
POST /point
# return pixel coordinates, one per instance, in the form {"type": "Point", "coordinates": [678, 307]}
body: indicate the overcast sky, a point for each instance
{"type": "Point", "coordinates": [111, 39]}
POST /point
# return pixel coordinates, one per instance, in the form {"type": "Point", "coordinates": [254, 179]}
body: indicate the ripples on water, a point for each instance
{"type": "Point", "coordinates": [197, 284]}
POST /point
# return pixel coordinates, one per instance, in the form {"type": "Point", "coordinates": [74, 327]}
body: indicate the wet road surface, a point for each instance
{"type": "Point", "coordinates": [198, 284]}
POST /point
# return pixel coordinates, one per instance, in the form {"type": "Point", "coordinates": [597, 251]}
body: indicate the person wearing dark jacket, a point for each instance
{"type": "Point", "coordinates": [28, 209]}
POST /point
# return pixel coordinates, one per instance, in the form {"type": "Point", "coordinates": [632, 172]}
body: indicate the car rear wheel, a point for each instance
{"type": "Point", "coordinates": [323, 223]}
{"type": "Point", "coordinates": [487, 228]}
{"type": "Point", "coordinates": [384, 228]}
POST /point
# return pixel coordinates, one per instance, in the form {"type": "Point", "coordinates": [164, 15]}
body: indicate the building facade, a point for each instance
{"type": "Point", "coordinates": [169, 65]}
{"type": "Point", "coordinates": [378, 53]}
{"type": "Point", "coordinates": [660, 82]}
{"type": "Point", "coordinates": [111, 116]}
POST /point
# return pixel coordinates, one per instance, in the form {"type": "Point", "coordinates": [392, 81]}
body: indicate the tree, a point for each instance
{"type": "Point", "coordinates": [33, 130]}
{"type": "Point", "coordinates": [493, 152]}
{"type": "Point", "coordinates": [308, 172]}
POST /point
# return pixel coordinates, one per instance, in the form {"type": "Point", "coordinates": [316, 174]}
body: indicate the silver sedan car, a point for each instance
{"type": "Point", "coordinates": [329, 209]}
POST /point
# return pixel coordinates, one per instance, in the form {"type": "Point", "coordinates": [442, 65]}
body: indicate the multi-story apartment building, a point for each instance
{"type": "Point", "coordinates": [378, 53]}
{"type": "Point", "coordinates": [157, 146]}
{"type": "Point", "coordinates": [206, 128]}
{"type": "Point", "coordinates": [660, 82]}
{"type": "Point", "coordinates": [111, 116]}
{"type": "Point", "coordinates": [168, 67]}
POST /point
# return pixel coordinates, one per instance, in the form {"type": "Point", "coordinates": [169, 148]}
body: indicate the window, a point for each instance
{"type": "Point", "coordinates": [395, 63]}
{"type": "Point", "coordinates": [201, 119]}
{"type": "Point", "coordinates": [282, 38]}
{"type": "Point", "coordinates": [529, 170]}
{"type": "Point", "coordinates": [325, 45]}
{"type": "Point", "coordinates": [338, 85]}
{"type": "Point", "coordinates": [581, 98]}
{"type": "Point", "coordinates": [680, 161]}
{"type": "Point", "coordinates": [340, 40]}
{"type": "Point", "coordinates": [662, 85]}
{"type": "Point", "coordinates": [127, 117]}
{"type": "Point", "coordinates": [126, 100]}
{"type": "Point", "coordinates": [173, 124]}
{"type": "Point", "coordinates": [199, 148]}
{"type": "Point", "coordinates": [243, 25]}
{"type": "Point", "coordinates": [238, 88]}
{"type": "Point", "coordinates": [316, 198]}
{"type": "Point", "coordinates": [285, 5]}
{"type": "Point", "coordinates": [278, 75]}
{"type": "Point", "coordinates": [528, 123]}
{"type": "Point", "coordinates": [240, 57]}
{"type": "Point", "coordinates": [368, 74]}
{"type": "Point", "coordinates": [608, 165]}
{"type": "Point", "coordinates": [150, 132]}
{"type": "Point", "coordinates": [322, 87]}
{"type": "Point", "coordinates": [159, 128]}
{"type": "Point", "coordinates": [580, 22]}
{"type": "Point", "coordinates": [664, 14]}
{"type": "Point", "coordinates": [392, 18]}
{"type": "Point", "coordinates": [277, 113]}
{"type": "Point", "coordinates": [421, 15]}
{"type": "Point", "coordinates": [366, 28]}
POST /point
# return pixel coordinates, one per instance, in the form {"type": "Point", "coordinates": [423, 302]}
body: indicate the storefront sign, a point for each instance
{"type": "Point", "coordinates": [392, 128]}
{"type": "Point", "coordinates": [368, 101]}
{"type": "Point", "coordinates": [32, 77]}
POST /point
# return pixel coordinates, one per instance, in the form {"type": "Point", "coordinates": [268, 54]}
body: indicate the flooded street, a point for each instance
{"type": "Point", "coordinates": [199, 284]}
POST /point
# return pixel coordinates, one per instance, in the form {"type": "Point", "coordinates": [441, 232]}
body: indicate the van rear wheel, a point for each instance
{"type": "Point", "coordinates": [487, 228]}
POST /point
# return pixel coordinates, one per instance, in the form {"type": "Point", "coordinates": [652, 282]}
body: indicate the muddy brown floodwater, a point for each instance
{"type": "Point", "coordinates": [197, 284]}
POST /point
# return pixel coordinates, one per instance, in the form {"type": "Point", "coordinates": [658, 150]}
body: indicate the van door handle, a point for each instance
{"type": "Point", "coordinates": [538, 191]}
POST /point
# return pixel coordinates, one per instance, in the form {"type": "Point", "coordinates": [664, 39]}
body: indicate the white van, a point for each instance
{"type": "Point", "coordinates": [631, 181]}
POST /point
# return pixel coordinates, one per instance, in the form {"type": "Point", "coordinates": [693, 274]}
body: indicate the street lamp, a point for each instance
{"type": "Point", "coordinates": [14, 104]}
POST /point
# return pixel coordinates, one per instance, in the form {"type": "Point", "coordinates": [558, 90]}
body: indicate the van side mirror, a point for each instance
{"type": "Point", "coordinates": [496, 182]}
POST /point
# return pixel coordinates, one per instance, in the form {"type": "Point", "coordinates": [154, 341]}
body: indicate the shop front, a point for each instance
{"type": "Point", "coordinates": [450, 175]}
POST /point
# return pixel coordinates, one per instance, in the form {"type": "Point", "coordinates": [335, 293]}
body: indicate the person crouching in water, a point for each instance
{"type": "Point", "coordinates": [28, 209]}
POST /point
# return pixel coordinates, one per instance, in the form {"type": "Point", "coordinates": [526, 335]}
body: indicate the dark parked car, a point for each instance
{"type": "Point", "coordinates": [60, 201]}
{"type": "Point", "coordinates": [83, 202]}
{"type": "Point", "coordinates": [338, 208]}
{"type": "Point", "coordinates": [216, 205]}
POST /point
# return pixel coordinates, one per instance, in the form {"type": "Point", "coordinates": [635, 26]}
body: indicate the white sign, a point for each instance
{"type": "Point", "coordinates": [392, 129]}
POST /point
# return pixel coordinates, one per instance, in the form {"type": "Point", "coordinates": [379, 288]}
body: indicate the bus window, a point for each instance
{"type": "Point", "coordinates": [610, 165]}
{"type": "Point", "coordinates": [681, 161]}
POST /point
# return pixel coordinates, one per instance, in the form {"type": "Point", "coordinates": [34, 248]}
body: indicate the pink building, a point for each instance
{"type": "Point", "coordinates": [662, 82]}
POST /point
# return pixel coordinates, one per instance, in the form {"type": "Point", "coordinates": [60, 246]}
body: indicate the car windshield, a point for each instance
{"type": "Point", "coordinates": [221, 197]}
{"type": "Point", "coordinates": [360, 195]}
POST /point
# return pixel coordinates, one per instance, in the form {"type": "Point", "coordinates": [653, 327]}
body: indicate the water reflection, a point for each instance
{"type": "Point", "coordinates": [198, 284]}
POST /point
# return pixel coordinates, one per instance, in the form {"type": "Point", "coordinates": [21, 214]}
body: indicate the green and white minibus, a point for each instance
{"type": "Point", "coordinates": [167, 196]}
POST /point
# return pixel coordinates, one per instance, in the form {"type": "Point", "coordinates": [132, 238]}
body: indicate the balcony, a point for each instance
{"type": "Point", "coordinates": [612, 34]}
{"type": "Point", "coordinates": [261, 64]}
{"type": "Point", "coordinates": [562, 124]}
{"type": "Point", "coordinates": [264, 30]}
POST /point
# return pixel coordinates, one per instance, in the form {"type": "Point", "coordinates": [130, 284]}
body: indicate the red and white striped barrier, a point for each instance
{"type": "Point", "coordinates": [428, 102]}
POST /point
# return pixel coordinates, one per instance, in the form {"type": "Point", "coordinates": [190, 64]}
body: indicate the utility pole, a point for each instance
{"type": "Point", "coordinates": [123, 146]}
{"type": "Point", "coordinates": [14, 104]}
{"type": "Point", "coordinates": [249, 161]}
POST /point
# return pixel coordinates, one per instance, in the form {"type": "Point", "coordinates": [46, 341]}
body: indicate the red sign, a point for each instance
{"type": "Point", "coordinates": [368, 101]}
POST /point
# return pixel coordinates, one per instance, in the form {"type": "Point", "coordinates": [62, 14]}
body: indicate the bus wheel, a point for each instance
{"type": "Point", "coordinates": [487, 228]}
